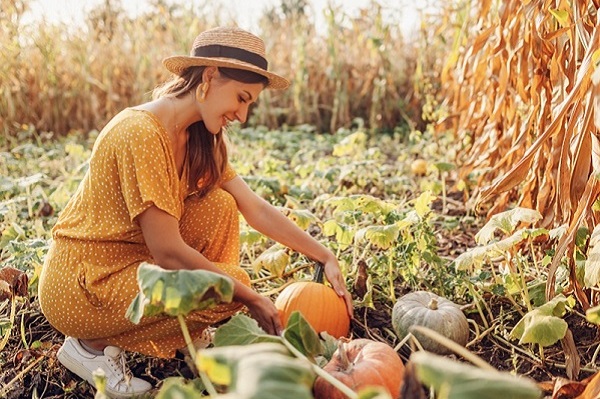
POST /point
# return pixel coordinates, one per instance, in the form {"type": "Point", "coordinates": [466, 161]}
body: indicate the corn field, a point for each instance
{"type": "Point", "coordinates": [523, 97]}
{"type": "Point", "coordinates": [59, 77]}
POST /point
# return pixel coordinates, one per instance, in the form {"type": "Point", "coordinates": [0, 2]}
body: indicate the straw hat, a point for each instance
{"type": "Point", "coordinates": [231, 48]}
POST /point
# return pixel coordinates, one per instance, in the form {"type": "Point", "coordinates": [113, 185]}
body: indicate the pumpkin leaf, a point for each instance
{"type": "Point", "coordinates": [275, 260]}
{"type": "Point", "coordinates": [177, 292]}
{"type": "Point", "coordinates": [241, 330]}
{"type": "Point", "coordinates": [544, 325]}
{"type": "Point", "coordinates": [273, 376]}
{"type": "Point", "coordinates": [343, 233]}
{"type": "Point", "coordinates": [423, 203]}
{"type": "Point", "coordinates": [178, 387]}
{"type": "Point", "coordinates": [250, 237]}
{"type": "Point", "coordinates": [329, 344]}
{"type": "Point", "coordinates": [341, 204]}
{"type": "Point", "coordinates": [592, 263]}
{"type": "Point", "coordinates": [379, 236]}
{"type": "Point", "coordinates": [475, 257]}
{"type": "Point", "coordinates": [350, 144]}
{"type": "Point", "coordinates": [302, 217]}
{"type": "Point", "coordinates": [463, 381]}
{"type": "Point", "coordinates": [370, 204]}
{"type": "Point", "coordinates": [506, 222]}
{"type": "Point", "coordinates": [593, 314]}
{"type": "Point", "coordinates": [220, 363]}
{"type": "Point", "coordinates": [302, 336]}
{"type": "Point", "coordinates": [261, 370]}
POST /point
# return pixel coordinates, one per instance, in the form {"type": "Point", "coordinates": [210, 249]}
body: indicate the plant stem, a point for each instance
{"type": "Point", "coordinates": [391, 274]}
{"type": "Point", "coordinates": [188, 341]}
{"type": "Point", "coordinates": [318, 276]}
{"type": "Point", "coordinates": [322, 373]}
{"type": "Point", "coordinates": [13, 308]}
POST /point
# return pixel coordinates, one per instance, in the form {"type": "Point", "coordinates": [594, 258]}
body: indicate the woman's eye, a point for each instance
{"type": "Point", "coordinates": [241, 99]}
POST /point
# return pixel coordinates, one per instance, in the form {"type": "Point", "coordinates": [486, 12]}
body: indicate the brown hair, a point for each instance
{"type": "Point", "coordinates": [207, 157]}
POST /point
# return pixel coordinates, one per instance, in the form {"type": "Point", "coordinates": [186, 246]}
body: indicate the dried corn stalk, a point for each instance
{"type": "Point", "coordinates": [524, 92]}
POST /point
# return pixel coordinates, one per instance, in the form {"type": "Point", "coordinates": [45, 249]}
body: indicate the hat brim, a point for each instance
{"type": "Point", "coordinates": [178, 64]}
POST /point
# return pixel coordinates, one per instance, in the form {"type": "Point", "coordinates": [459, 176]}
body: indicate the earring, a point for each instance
{"type": "Point", "coordinates": [201, 92]}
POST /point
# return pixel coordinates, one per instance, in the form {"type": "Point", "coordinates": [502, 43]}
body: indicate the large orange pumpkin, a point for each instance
{"type": "Point", "coordinates": [319, 304]}
{"type": "Point", "coordinates": [361, 363]}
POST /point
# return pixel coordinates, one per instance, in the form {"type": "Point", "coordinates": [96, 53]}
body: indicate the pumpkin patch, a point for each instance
{"type": "Point", "coordinates": [319, 304]}
{"type": "Point", "coordinates": [361, 363]}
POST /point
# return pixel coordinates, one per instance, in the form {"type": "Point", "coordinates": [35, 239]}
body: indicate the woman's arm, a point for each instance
{"type": "Point", "coordinates": [268, 220]}
{"type": "Point", "coordinates": [161, 233]}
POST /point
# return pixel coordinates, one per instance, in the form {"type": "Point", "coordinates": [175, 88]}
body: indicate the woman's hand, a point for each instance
{"type": "Point", "coordinates": [265, 313]}
{"type": "Point", "coordinates": [335, 277]}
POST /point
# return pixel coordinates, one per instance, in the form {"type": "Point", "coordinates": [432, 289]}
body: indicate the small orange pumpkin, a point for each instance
{"type": "Point", "coordinates": [361, 363]}
{"type": "Point", "coordinates": [319, 304]}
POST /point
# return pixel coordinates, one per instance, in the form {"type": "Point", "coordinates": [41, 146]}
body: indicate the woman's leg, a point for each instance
{"type": "Point", "coordinates": [210, 225]}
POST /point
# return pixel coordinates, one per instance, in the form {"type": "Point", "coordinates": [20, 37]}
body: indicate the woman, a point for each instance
{"type": "Point", "coordinates": [160, 189]}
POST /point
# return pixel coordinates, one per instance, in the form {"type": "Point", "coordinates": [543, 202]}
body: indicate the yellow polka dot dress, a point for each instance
{"type": "Point", "coordinates": [89, 276]}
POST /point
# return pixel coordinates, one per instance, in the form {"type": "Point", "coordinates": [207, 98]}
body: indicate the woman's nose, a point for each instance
{"type": "Point", "coordinates": [242, 113]}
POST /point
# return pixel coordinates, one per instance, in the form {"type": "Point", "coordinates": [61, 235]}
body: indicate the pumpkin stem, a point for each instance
{"type": "Point", "coordinates": [343, 354]}
{"type": "Point", "coordinates": [433, 304]}
{"type": "Point", "coordinates": [318, 276]}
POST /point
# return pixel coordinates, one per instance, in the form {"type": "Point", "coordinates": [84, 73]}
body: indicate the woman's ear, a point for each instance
{"type": "Point", "coordinates": [210, 73]}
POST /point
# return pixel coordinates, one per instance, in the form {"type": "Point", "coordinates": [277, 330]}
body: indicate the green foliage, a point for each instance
{"type": "Point", "coordinates": [177, 292]}
{"type": "Point", "coordinates": [544, 325]}
{"type": "Point", "coordinates": [455, 380]}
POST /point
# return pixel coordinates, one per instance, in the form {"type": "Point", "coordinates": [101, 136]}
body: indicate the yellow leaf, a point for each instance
{"type": "Point", "coordinates": [562, 16]}
{"type": "Point", "coordinates": [422, 204]}
{"type": "Point", "coordinates": [217, 372]}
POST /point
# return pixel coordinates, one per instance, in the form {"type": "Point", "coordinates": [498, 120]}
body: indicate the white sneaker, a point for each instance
{"type": "Point", "coordinates": [119, 381]}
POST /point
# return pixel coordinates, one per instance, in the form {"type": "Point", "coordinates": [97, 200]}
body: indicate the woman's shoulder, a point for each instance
{"type": "Point", "coordinates": [131, 125]}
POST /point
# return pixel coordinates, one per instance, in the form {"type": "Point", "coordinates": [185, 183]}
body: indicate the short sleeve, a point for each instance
{"type": "Point", "coordinates": [228, 174]}
{"type": "Point", "coordinates": [147, 172]}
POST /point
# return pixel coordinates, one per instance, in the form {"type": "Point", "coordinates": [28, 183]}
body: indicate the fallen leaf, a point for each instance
{"type": "Point", "coordinates": [592, 390]}
{"type": "Point", "coordinates": [13, 282]}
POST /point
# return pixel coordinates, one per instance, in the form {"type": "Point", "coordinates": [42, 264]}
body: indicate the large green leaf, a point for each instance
{"type": "Point", "coordinates": [544, 325]}
{"type": "Point", "coordinates": [475, 257]}
{"type": "Point", "coordinates": [344, 234]}
{"type": "Point", "coordinates": [275, 260]}
{"type": "Point", "coordinates": [259, 371]}
{"type": "Point", "coordinates": [302, 217]}
{"type": "Point", "coordinates": [177, 292]}
{"type": "Point", "coordinates": [458, 380]}
{"type": "Point", "coordinates": [382, 237]}
{"type": "Point", "coordinates": [241, 330]}
{"type": "Point", "coordinates": [273, 376]}
{"type": "Point", "coordinates": [302, 336]}
{"type": "Point", "coordinates": [506, 222]}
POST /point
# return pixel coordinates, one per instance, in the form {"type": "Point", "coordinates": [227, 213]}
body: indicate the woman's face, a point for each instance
{"type": "Point", "coordinates": [226, 101]}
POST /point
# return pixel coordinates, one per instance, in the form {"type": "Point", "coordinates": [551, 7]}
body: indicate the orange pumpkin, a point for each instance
{"type": "Point", "coordinates": [361, 363]}
{"type": "Point", "coordinates": [319, 304]}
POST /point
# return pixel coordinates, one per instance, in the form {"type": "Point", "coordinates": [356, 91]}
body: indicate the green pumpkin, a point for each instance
{"type": "Point", "coordinates": [429, 310]}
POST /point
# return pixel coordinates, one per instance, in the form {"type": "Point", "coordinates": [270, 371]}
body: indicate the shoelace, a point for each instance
{"type": "Point", "coordinates": [119, 365]}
